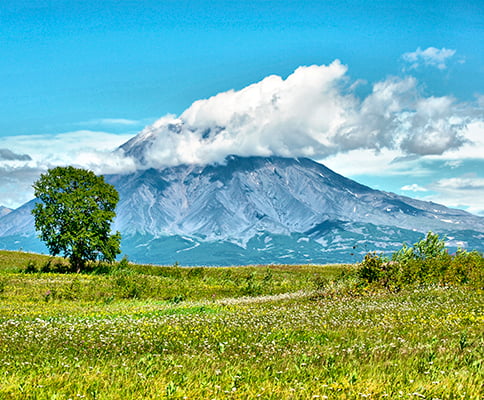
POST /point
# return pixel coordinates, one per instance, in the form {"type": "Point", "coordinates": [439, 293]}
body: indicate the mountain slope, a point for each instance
{"type": "Point", "coordinates": [262, 209]}
{"type": "Point", "coordinates": [4, 211]}
{"type": "Point", "coordinates": [278, 195]}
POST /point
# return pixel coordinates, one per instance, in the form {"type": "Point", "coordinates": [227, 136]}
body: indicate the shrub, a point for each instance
{"type": "Point", "coordinates": [176, 299]}
{"type": "Point", "coordinates": [426, 262]}
{"type": "Point", "coordinates": [371, 269]}
{"type": "Point", "coordinates": [320, 282]}
{"type": "Point", "coordinates": [196, 273]}
{"type": "Point", "coordinates": [56, 266]}
{"type": "Point", "coordinates": [251, 287]}
{"type": "Point", "coordinates": [51, 265]}
{"type": "Point", "coordinates": [466, 268]}
{"type": "Point", "coordinates": [30, 268]}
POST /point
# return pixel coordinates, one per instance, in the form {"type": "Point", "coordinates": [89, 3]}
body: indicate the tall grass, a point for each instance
{"type": "Point", "coordinates": [279, 332]}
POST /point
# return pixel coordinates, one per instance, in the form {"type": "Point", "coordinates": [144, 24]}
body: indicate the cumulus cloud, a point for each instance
{"type": "Point", "coordinates": [473, 148]}
{"type": "Point", "coordinates": [437, 127]}
{"type": "Point", "coordinates": [431, 56]}
{"type": "Point", "coordinates": [313, 113]}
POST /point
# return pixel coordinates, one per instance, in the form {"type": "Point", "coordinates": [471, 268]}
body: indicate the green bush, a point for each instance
{"type": "Point", "coordinates": [53, 265]}
{"type": "Point", "coordinates": [371, 269]}
{"type": "Point", "coordinates": [466, 268]}
{"type": "Point", "coordinates": [426, 262]}
{"type": "Point", "coordinates": [196, 273]}
{"type": "Point", "coordinates": [30, 268]}
{"type": "Point", "coordinates": [56, 266]}
{"type": "Point", "coordinates": [251, 287]}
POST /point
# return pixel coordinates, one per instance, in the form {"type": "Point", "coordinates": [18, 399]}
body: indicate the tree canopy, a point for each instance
{"type": "Point", "coordinates": [74, 215]}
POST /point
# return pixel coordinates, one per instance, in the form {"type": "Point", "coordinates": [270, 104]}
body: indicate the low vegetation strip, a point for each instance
{"type": "Point", "coordinates": [269, 332]}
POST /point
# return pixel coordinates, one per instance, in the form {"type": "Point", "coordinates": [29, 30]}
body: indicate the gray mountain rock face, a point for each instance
{"type": "Point", "coordinates": [246, 196]}
{"type": "Point", "coordinates": [261, 210]}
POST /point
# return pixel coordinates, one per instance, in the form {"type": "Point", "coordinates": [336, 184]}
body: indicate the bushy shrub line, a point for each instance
{"type": "Point", "coordinates": [426, 262]}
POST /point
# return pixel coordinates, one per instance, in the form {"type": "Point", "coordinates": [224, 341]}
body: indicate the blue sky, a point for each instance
{"type": "Point", "coordinates": [78, 78]}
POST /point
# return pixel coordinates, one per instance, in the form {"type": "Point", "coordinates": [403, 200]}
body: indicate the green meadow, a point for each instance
{"type": "Point", "coordinates": [127, 331]}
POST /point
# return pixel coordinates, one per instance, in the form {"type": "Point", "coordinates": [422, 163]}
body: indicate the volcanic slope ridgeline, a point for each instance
{"type": "Point", "coordinates": [259, 210]}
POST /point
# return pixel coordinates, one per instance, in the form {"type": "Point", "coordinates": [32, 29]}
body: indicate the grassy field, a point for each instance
{"type": "Point", "coordinates": [268, 332]}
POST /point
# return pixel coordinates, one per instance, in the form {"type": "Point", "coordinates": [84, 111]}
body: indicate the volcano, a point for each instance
{"type": "Point", "coordinates": [259, 210]}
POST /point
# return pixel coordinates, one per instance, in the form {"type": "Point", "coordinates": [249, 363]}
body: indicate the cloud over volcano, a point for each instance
{"type": "Point", "coordinates": [314, 112]}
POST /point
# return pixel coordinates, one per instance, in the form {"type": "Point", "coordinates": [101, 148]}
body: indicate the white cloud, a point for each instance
{"type": "Point", "coordinates": [431, 56]}
{"type": "Point", "coordinates": [466, 191]}
{"type": "Point", "coordinates": [413, 188]}
{"type": "Point", "coordinates": [63, 142]}
{"type": "Point", "coordinates": [461, 183]}
{"type": "Point", "coordinates": [453, 163]}
{"type": "Point", "coordinates": [295, 116]}
{"type": "Point", "coordinates": [436, 127]}
{"type": "Point", "coordinates": [360, 162]}
{"type": "Point", "coordinates": [473, 148]}
{"type": "Point", "coordinates": [86, 149]}
{"type": "Point", "coordinates": [312, 113]}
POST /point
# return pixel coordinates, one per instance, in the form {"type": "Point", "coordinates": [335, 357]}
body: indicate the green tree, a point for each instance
{"type": "Point", "coordinates": [74, 215]}
{"type": "Point", "coordinates": [431, 246]}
